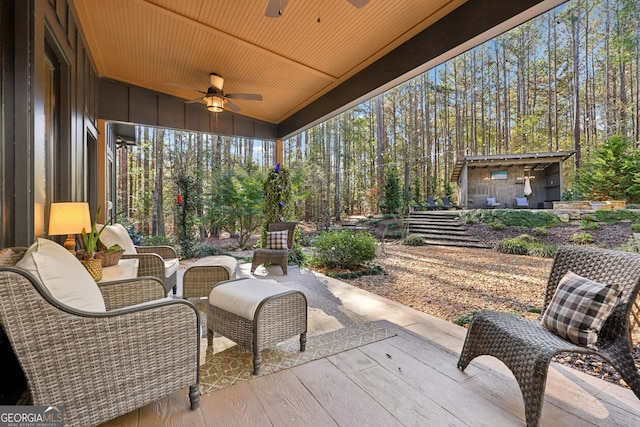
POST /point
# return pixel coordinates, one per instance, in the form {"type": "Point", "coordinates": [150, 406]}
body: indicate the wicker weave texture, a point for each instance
{"type": "Point", "coordinates": [10, 256]}
{"type": "Point", "coordinates": [276, 256]}
{"type": "Point", "coordinates": [98, 366]}
{"type": "Point", "coordinates": [276, 319]}
{"type": "Point", "coordinates": [527, 348]}
{"type": "Point", "coordinates": [199, 280]}
{"type": "Point", "coordinates": [151, 264]}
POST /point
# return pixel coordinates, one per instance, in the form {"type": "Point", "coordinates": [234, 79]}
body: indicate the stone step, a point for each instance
{"type": "Point", "coordinates": [432, 236]}
{"type": "Point", "coordinates": [457, 244]}
{"type": "Point", "coordinates": [438, 230]}
{"type": "Point", "coordinates": [453, 225]}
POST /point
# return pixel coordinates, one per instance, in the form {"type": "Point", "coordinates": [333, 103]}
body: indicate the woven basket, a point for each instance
{"type": "Point", "coordinates": [109, 258]}
{"type": "Point", "coordinates": [94, 267]}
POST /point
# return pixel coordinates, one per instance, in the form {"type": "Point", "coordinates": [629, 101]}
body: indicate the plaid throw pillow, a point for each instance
{"type": "Point", "coordinates": [578, 309]}
{"type": "Point", "coordinates": [277, 239]}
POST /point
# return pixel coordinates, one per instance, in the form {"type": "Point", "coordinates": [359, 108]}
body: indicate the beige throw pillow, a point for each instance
{"type": "Point", "coordinates": [63, 275]}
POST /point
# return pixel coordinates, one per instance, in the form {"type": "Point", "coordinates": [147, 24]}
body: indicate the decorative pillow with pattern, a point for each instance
{"type": "Point", "coordinates": [579, 308]}
{"type": "Point", "coordinates": [277, 239]}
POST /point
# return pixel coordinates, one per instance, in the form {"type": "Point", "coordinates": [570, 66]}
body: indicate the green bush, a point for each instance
{"type": "Point", "coordinates": [510, 217]}
{"type": "Point", "coordinates": [525, 245]}
{"type": "Point", "coordinates": [588, 225]}
{"type": "Point", "coordinates": [612, 217]}
{"type": "Point", "coordinates": [157, 241]}
{"type": "Point", "coordinates": [497, 225]}
{"type": "Point", "coordinates": [414, 241]}
{"type": "Point", "coordinates": [395, 234]}
{"type": "Point", "coordinates": [343, 249]}
{"type": "Point", "coordinates": [512, 246]}
{"type": "Point", "coordinates": [635, 227]}
{"type": "Point", "coordinates": [208, 250]}
{"type": "Point", "coordinates": [539, 231]}
{"type": "Point", "coordinates": [582, 238]}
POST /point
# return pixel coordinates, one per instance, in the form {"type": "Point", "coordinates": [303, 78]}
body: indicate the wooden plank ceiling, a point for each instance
{"type": "Point", "coordinates": [291, 60]}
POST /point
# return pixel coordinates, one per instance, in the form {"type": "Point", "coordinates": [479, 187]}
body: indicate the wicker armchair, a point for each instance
{"type": "Point", "coordinates": [101, 365]}
{"type": "Point", "coordinates": [276, 256]}
{"type": "Point", "coordinates": [155, 261]}
{"type": "Point", "coordinates": [527, 348]}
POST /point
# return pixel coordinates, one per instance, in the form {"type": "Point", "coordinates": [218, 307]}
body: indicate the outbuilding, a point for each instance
{"type": "Point", "coordinates": [508, 178]}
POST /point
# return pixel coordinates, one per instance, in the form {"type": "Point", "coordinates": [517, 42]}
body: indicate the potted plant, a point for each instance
{"type": "Point", "coordinates": [91, 242]}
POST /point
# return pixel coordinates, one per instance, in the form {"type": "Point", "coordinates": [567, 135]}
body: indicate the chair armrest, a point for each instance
{"type": "Point", "coordinates": [166, 252]}
{"type": "Point", "coordinates": [149, 265]}
{"type": "Point", "coordinates": [115, 361]}
{"type": "Point", "coordinates": [125, 293]}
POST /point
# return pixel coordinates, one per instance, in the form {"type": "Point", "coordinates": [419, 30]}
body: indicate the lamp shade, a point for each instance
{"type": "Point", "coordinates": [215, 104]}
{"type": "Point", "coordinates": [69, 218]}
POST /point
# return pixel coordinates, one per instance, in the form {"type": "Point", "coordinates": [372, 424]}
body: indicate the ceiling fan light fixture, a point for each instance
{"type": "Point", "coordinates": [215, 104]}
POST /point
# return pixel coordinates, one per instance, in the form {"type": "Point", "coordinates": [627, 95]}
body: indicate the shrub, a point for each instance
{"type": "Point", "coordinates": [582, 238]}
{"type": "Point", "coordinates": [343, 249]}
{"type": "Point", "coordinates": [157, 241]}
{"type": "Point", "coordinates": [612, 217]}
{"type": "Point", "coordinates": [588, 225]}
{"type": "Point", "coordinates": [414, 241]}
{"type": "Point", "coordinates": [539, 231]}
{"type": "Point", "coordinates": [635, 227]}
{"type": "Point", "coordinates": [512, 246]}
{"type": "Point", "coordinates": [395, 234]}
{"type": "Point", "coordinates": [497, 225]}
{"type": "Point", "coordinates": [525, 245]}
{"type": "Point", "coordinates": [208, 250]}
{"type": "Point", "coordinates": [510, 217]}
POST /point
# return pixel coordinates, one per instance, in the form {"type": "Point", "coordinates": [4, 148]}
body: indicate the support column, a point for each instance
{"type": "Point", "coordinates": [279, 151]}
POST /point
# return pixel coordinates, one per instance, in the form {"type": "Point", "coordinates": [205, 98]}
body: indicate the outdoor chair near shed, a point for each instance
{"type": "Point", "coordinates": [587, 306]}
{"type": "Point", "coordinates": [157, 261]}
{"type": "Point", "coordinates": [521, 203]}
{"type": "Point", "coordinates": [430, 206]}
{"type": "Point", "coordinates": [492, 203]}
{"type": "Point", "coordinates": [446, 204]}
{"type": "Point", "coordinates": [99, 349]}
{"type": "Point", "coordinates": [280, 240]}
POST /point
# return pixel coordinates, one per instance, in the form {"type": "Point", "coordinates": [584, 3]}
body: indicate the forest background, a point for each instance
{"type": "Point", "coordinates": [566, 80]}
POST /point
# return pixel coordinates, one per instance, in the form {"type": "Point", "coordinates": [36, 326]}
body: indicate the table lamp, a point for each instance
{"type": "Point", "coordinates": [69, 218]}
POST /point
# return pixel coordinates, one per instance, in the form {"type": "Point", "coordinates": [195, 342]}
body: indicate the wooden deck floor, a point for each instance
{"type": "Point", "coordinates": [409, 379]}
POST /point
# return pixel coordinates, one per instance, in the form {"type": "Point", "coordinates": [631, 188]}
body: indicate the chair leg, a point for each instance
{"type": "Point", "coordinates": [257, 361]}
{"type": "Point", "coordinates": [303, 341]}
{"type": "Point", "coordinates": [194, 396]}
{"type": "Point", "coordinates": [625, 364]}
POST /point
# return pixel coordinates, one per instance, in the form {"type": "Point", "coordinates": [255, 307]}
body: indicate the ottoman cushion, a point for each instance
{"type": "Point", "coordinates": [242, 297]}
{"type": "Point", "coordinates": [229, 263]}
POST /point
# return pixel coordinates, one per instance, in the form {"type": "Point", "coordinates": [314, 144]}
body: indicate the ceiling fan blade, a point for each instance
{"type": "Point", "coordinates": [191, 101]}
{"type": "Point", "coordinates": [228, 105]}
{"type": "Point", "coordinates": [275, 8]}
{"type": "Point", "coordinates": [359, 3]}
{"type": "Point", "coordinates": [247, 96]}
{"type": "Point", "coordinates": [185, 87]}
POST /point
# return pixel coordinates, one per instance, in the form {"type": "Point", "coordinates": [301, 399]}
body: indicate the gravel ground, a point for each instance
{"type": "Point", "coordinates": [451, 283]}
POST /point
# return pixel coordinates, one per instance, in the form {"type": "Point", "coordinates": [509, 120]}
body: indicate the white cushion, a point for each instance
{"type": "Point", "coordinates": [171, 266]}
{"type": "Point", "coordinates": [116, 234]}
{"type": "Point", "coordinates": [242, 297]}
{"type": "Point", "coordinates": [227, 262]}
{"type": "Point", "coordinates": [63, 275]}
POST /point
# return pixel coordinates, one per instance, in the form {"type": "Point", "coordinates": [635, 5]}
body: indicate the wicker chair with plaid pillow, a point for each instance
{"type": "Point", "coordinates": [587, 306]}
{"type": "Point", "coordinates": [280, 236]}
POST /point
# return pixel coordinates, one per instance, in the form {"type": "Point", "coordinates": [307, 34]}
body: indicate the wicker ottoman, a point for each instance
{"type": "Point", "coordinates": [200, 277]}
{"type": "Point", "coordinates": [257, 314]}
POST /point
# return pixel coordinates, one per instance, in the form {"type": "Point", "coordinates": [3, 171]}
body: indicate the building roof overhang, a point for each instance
{"type": "Point", "coordinates": [530, 161]}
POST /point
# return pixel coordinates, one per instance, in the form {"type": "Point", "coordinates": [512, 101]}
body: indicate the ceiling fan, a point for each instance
{"type": "Point", "coordinates": [275, 8]}
{"type": "Point", "coordinates": [216, 99]}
